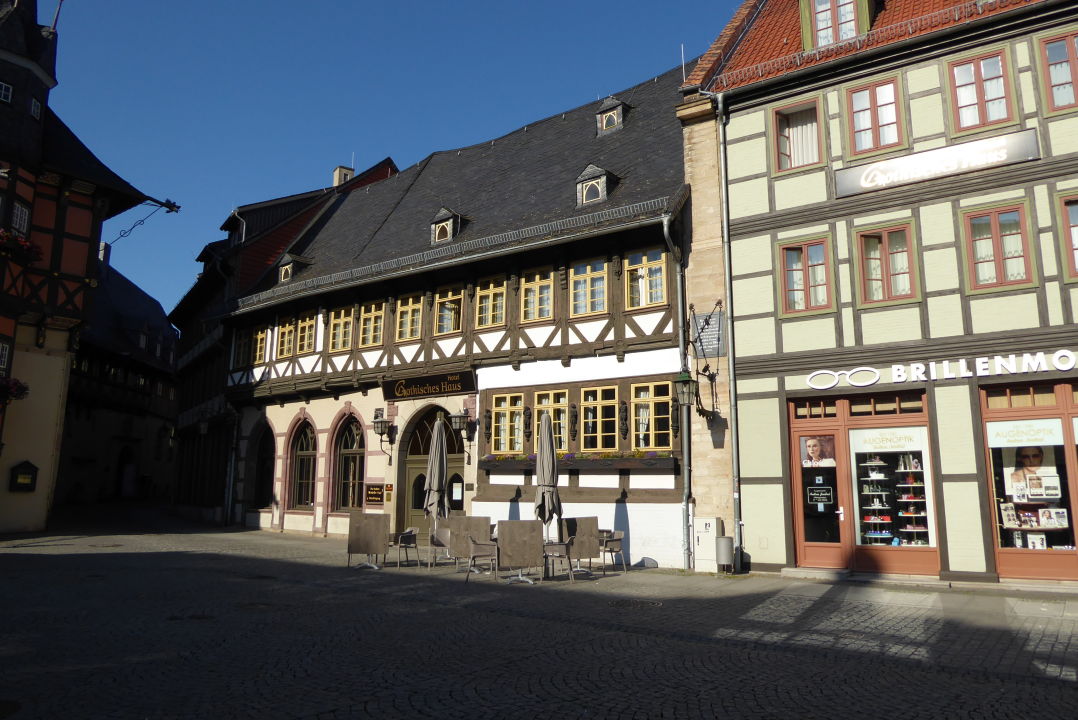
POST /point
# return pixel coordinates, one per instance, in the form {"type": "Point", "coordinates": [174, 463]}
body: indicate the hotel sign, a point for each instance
{"type": "Point", "coordinates": [943, 162]}
{"type": "Point", "coordinates": [915, 372]}
{"type": "Point", "coordinates": [429, 386]}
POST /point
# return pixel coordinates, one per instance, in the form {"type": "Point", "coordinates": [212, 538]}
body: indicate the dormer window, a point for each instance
{"type": "Point", "coordinates": [592, 186]}
{"type": "Point", "coordinates": [5, 92]}
{"type": "Point", "coordinates": [832, 21]}
{"type": "Point", "coordinates": [444, 227]}
{"type": "Point", "coordinates": [288, 264]}
{"type": "Point", "coordinates": [285, 273]}
{"type": "Point", "coordinates": [610, 116]}
{"type": "Point", "coordinates": [35, 108]}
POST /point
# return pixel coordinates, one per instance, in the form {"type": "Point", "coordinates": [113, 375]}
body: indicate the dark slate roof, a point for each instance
{"type": "Point", "coordinates": [121, 310]}
{"type": "Point", "coordinates": [63, 152]}
{"type": "Point", "coordinates": [517, 190]}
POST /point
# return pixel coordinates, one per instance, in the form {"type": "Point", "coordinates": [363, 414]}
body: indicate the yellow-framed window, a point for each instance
{"type": "Point", "coordinates": [645, 278]}
{"type": "Point", "coordinates": [286, 339]}
{"type": "Point", "coordinates": [371, 320]}
{"type": "Point", "coordinates": [259, 355]}
{"type": "Point", "coordinates": [599, 408]}
{"type": "Point", "coordinates": [305, 334]}
{"type": "Point", "coordinates": [241, 355]}
{"type": "Point", "coordinates": [537, 295]}
{"type": "Point", "coordinates": [651, 416]}
{"type": "Point", "coordinates": [555, 402]}
{"type": "Point", "coordinates": [340, 329]}
{"type": "Point", "coordinates": [588, 287]}
{"type": "Point", "coordinates": [409, 317]}
{"type": "Point", "coordinates": [507, 435]}
{"type": "Point", "coordinates": [447, 310]}
{"type": "Point", "coordinates": [490, 303]}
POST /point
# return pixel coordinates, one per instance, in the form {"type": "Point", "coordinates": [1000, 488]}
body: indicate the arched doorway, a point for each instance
{"type": "Point", "coordinates": [126, 474]}
{"type": "Point", "coordinates": [417, 446]}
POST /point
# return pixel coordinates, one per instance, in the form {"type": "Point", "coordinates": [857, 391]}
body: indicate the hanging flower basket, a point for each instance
{"type": "Point", "coordinates": [12, 389]}
{"type": "Point", "coordinates": [18, 248]}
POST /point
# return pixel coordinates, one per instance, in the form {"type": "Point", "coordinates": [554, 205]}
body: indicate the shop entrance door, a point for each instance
{"type": "Point", "coordinates": [823, 508]}
{"type": "Point", "coordinates": [417, 439]}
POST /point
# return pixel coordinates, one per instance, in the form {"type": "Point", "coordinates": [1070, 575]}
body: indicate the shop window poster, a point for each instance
{"type": "Point", "coordinates": [818, 451]}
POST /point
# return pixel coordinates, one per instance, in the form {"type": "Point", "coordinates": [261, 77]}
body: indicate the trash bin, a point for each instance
{"type": "Point", "coordinates": [724, 551]}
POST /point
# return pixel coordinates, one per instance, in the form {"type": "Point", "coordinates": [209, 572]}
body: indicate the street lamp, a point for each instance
{"type": "Point", "coordinates": [685, 387]}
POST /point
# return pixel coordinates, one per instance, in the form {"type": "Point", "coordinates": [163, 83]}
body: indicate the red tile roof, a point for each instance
{"type": "Point", "coordinates": [772, 44]}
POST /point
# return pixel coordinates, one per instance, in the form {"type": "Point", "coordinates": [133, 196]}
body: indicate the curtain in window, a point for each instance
{"type": "Point", "coordinates": [966, 96]}
{"type": "Point", "coordinates": [801, 137]}
{"type": "Point", "coordinates": [984, 266]}
{"type": "Point", "coordinates": [817, 275]}
{"type": "Point", "coordinates": [899, 260]}
{"type": "Point", "coordinates": [1059, 73]}
{"type": "Point", "coordinates": [795, 279]}
{"type": "Point", "coordinates": [643, 425]}
{"type": "Point", "coordinates": [995, 94]}
{"type": "Point", "coordinates": [1072, 220]}
{"type": "Point", "coordinates": [873, 268]}
{"type": "Point", "coordinates": [1014, 261]}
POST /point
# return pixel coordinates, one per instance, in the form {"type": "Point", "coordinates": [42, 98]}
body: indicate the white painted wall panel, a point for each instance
{"type": "Point", "coordinates": [651, 362]}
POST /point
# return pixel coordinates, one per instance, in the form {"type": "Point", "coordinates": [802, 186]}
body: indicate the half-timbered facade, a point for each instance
{"type": "Point", "coordinates": [538, 272]}
{"type": "Point", "coordinates": [54, 195]}
{"type": "Point", "coordinates": [901, 222]}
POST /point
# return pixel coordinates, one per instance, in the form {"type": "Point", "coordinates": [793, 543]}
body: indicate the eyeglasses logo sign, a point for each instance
{"type": "Point", "coordinates": [857, 377]}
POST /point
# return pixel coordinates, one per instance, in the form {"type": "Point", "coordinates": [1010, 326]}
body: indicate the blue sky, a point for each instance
{"type": "Point", "coordinates": [219, 104]}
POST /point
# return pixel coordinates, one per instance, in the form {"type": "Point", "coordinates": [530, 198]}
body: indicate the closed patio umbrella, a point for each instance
{"type": "Point", "coordinates": [547, 501]}
{"type": "Point", "coordinates": [436, 499]}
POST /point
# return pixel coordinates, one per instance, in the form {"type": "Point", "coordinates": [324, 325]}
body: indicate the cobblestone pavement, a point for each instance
{"type": "Point", "coordinates": [169, 620]}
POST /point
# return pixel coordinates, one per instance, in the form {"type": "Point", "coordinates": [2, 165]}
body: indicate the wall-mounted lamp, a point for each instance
{"type": "Point", "coordinates": [687, 389]}
{"type": "Point", "coordinates": [461, 423]}
{"type": "Point", "coordinates": [386, 431]}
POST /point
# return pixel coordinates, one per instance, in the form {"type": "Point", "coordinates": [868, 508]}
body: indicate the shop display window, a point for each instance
{"type": "Point", "coordinates": [1029, 473]}
{"type": "Point", "coordinates": [892, 487]}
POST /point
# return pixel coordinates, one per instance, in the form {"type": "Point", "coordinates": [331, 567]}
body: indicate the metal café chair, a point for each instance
{"type": "Point", "coordinates": [559, 550]}
{"type": "Point", "coordinates": [483, 551]}
{"type": "Point", "coordinates": [407, 540]}
{"type": "Point", "coordinates": [612, 545]}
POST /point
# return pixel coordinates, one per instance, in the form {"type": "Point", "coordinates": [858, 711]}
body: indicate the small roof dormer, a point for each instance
{"type": "Point", "coordinates": [610, 116]}
{"type": "Point", "coordinates": [593, 185]}
{"type": "Point", "coordinates": [288, 264]}
{"type": "Point", "coordinates": [444, 226]}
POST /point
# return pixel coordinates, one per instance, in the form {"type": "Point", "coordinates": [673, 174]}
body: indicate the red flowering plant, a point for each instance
{"type": "Point", "coordinates": [18, 247]}
{"type": "Point", "coordinates": [12, 389]}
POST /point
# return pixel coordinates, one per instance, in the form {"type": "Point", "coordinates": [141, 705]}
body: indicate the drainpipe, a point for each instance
{"type": "Point", "coordinates": [686, 409]}
{"type": "Point", "coordinates": [735, 457]}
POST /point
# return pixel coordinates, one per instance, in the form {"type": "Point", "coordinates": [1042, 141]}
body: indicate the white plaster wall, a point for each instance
{"type": "Point", "coordinates": [299, 523]}
{"type": "Point", "coordinates": [814, 334]}
{"type": "Point", "coordinates": [748, 198]}
{"type": "Point", "coordinates": [748, 157]}
{"type": "Point", "coordinates": [651, 529]}
{"type": "Point", "coordinates": [945, 316]}
{"type": "Point", "coordinates": [1013, 312]}
{"type": "Point", "coordinates": [1064, 136]}
{"type": "Point", "coordinates": [337, 525]}
{"type": "Point", "coordinates": [262, 519]}
{"type": "Point", "coordinates": [926, 115]}
{"type": "Point", "coordinates": [965, 543]}
{"type": "Point", "coordinates": [757, 293]}
{"type": "Point", "coordinates": [954, 421]}
{"type": "Point", "coordinates": [941, 270]}
{"type": "Point", "coordinates": [651, 362]}
{"type": "Point", "coordinates": [750, 255]}
{"type": "Point", "coordinates": [891, 325]}
{"type": "Point", "coordinates": [764, 534]}
{"type": "Point", "coordinates": [800, 190]}
{"type": "Point", "coordinates": [744, 124]}
{"type": "Point", "coordinates": [756, 385]}
{"type": "Point", "coordinates": [755, 337]}
{"type": "Point", "coordinates": [760, 437]}
{"type": "Point", "coordinates": [922, 79]}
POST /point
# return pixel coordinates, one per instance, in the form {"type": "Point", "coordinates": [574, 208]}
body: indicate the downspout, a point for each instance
{"type": "Point", "coordinates": [735, 457]}
{"type": "Point", "coordinates": [686, 410]}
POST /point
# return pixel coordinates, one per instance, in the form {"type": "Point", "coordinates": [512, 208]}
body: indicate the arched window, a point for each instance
{"type": "Point", "coordinates": [350, 467]}
{"type": "Point", "coordinates": [419, 493]}
{"type": "Point", "coordinates": [304, 454]}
